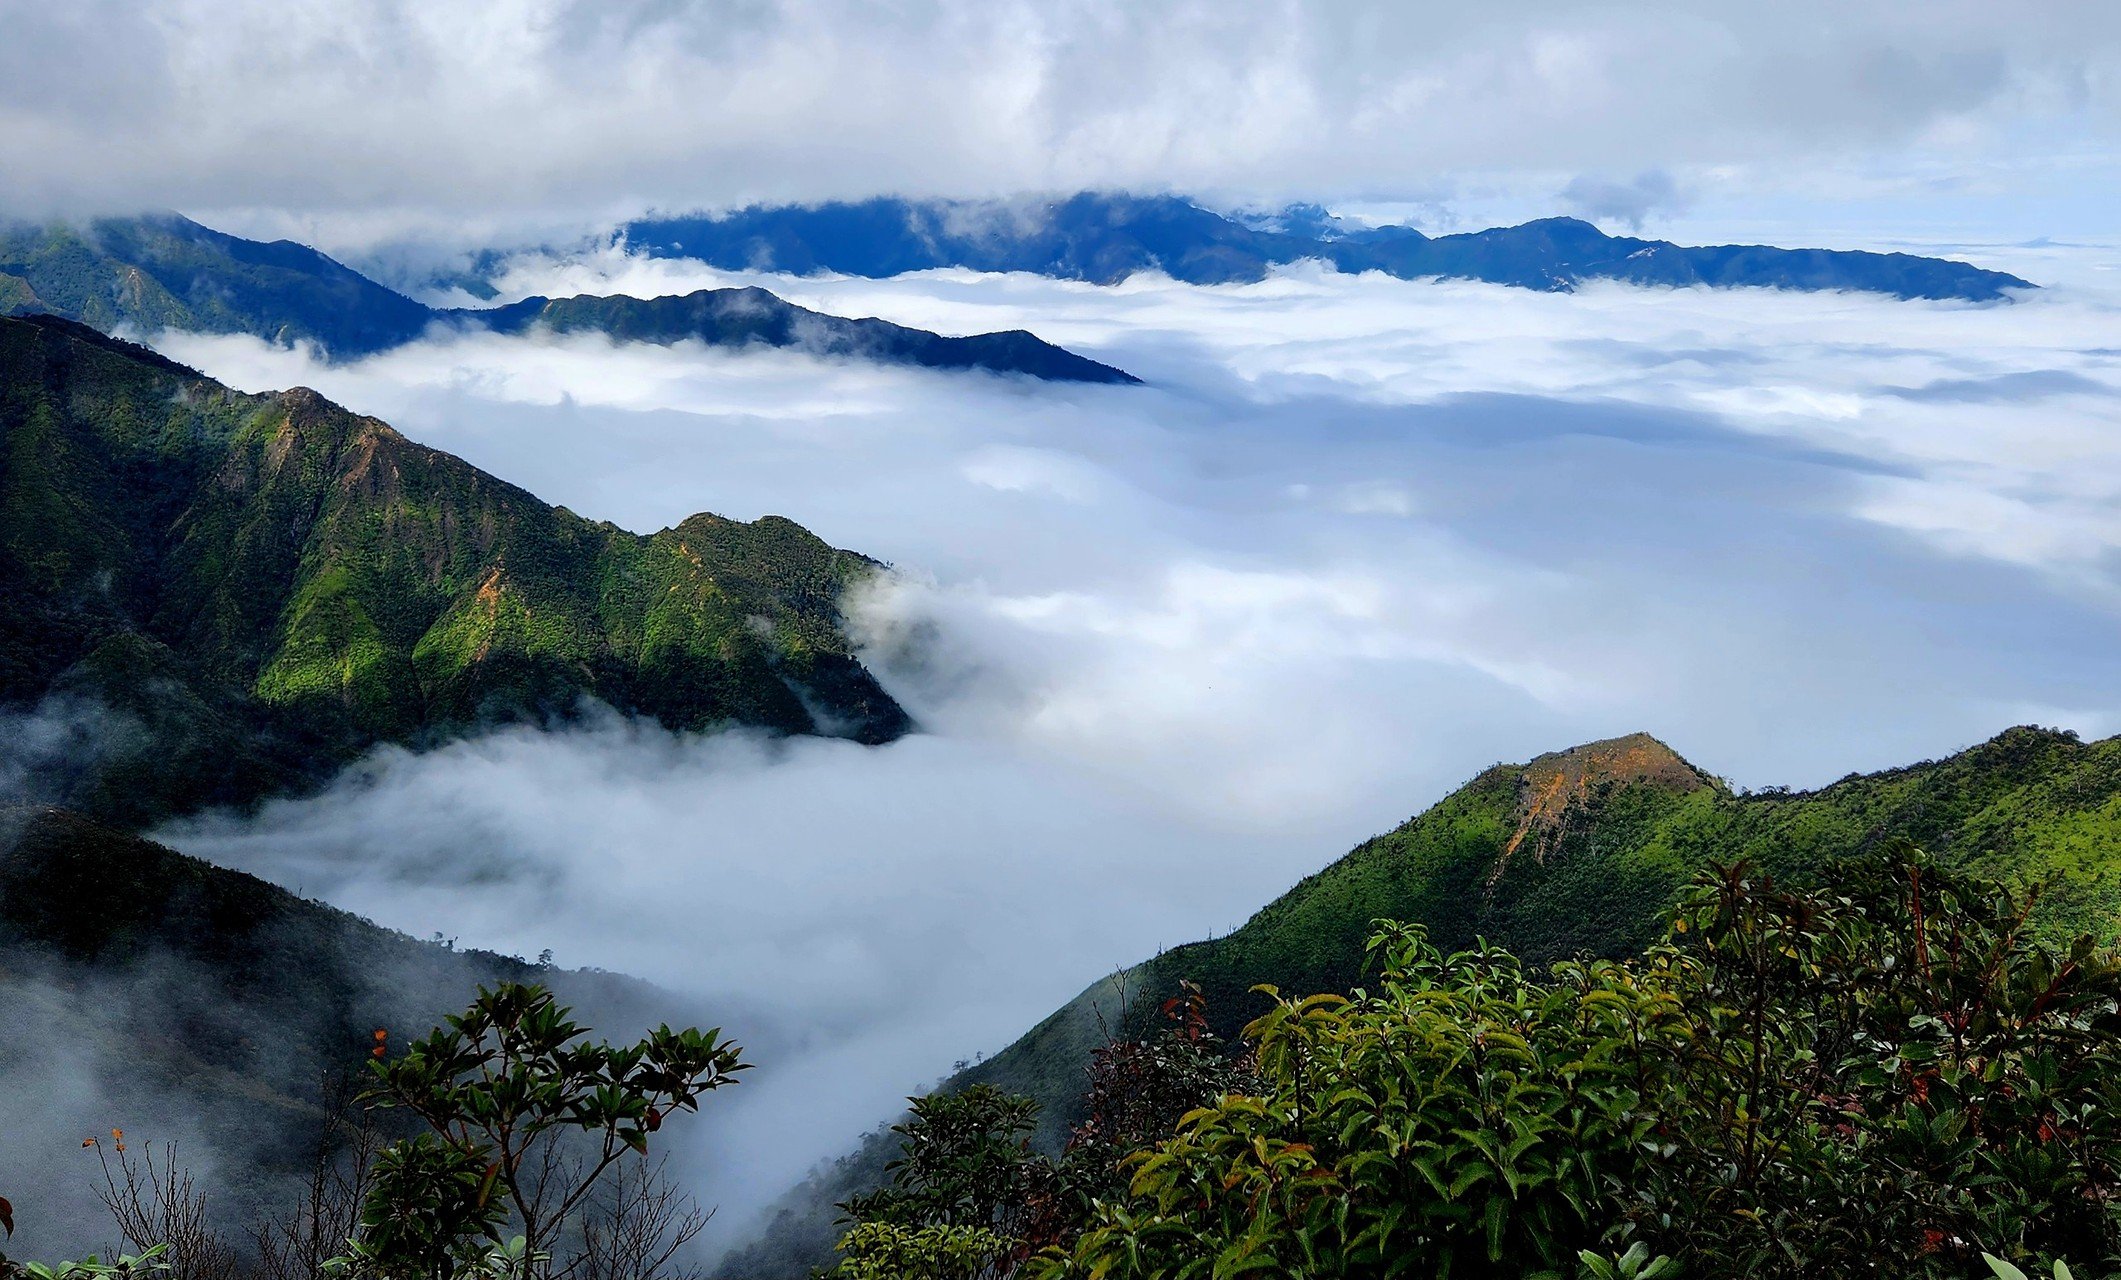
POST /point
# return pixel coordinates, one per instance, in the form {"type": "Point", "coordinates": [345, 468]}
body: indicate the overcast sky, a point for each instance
{"type": "Point", "coordinates": [355, 120]}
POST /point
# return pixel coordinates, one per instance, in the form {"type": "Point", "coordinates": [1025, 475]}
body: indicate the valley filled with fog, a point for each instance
{"type": "Point", "coordinates": [1175, 646]}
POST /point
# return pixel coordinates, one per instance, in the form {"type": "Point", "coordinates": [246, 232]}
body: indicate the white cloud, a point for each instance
{"type": "Point", "coordinates": [1180, 644]}
{"type": "Point", "coordinates": [382, 114]}
{"type": "Point", "coordinates": [1629, 201]}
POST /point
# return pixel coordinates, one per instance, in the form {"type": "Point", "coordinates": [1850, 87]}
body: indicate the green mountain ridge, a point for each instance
{"type": "Point", "coordinates": [259, 588]}
{"type": "Point", "coordinates": [756, 317]}
{"type": "Point", "coordinates": [164, 271]}
{"type": "Point", "coordinates": [1574, 852]}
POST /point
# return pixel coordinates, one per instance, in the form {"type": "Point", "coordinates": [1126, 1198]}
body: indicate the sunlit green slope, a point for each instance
{"type": "Point", "coordinates": [249, 589]}
{"type": "Point", "coordinates": [1576, 851]}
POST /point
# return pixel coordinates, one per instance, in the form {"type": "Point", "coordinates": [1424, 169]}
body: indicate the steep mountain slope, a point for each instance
{"type": "Point", "coordinates": [1104, 238]}
{"type": "Point", "coordinates": [184, 1001]}
{"type": "Point", "coordinates": [164, 271]}
{"type": "Point", "coordinates": [168, 272]}
{"type": "Point", "coordinates": [755, 317]}
{"type": "Point", "coordinates": [248, 590]}
{"type": "Point", "coordinates": [1577, 851]}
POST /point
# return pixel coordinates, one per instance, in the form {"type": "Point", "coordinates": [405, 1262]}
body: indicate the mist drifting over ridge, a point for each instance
{"type": "Point", "coordinates": [1178, 645]}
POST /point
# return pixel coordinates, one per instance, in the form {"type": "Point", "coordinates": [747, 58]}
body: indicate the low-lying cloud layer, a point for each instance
{"type": "Point", "coordinates": [1178, 645]}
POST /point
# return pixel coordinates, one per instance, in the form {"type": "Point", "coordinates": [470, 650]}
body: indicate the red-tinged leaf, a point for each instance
{"type": "Point", "coordinates": [7, 1216]}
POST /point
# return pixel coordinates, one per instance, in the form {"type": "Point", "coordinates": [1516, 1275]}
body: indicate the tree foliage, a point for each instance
{"type": "Point", "coordinates": [969, 1197]}
{"type": "Point", "coordinates": [527, 1115]}
{"type": "Point", "coordinates": [1887, 1076]}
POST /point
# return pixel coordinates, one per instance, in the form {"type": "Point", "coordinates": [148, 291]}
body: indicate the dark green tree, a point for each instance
{"type": "Point", "coordinates": [527, 1114]}
{"type": "Point", "coordinates": [1884, 1074]}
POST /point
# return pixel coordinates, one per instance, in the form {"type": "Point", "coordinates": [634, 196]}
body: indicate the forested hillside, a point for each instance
{"type": "Point", "coordinates": [168, 272]}
{"type": "Point", "coordinates": [1577, 852]}
{"type": "Point", "coordinates": [225, 595]}
{"type": "Point", "coordinates": [164, 271]}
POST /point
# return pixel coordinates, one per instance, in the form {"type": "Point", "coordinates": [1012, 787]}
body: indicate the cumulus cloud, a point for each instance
{"type": "Point", "coordinates": [1651, 193]}
{"type": "Point", "coordinates": [368, 114]}
{"type": "Point", "coordinates": [1177, 645]}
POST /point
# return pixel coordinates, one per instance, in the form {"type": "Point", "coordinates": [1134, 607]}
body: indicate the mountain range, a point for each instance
{"type": "Point", "coordinates": [756, 317]}
{"type": "Point", "coordinates": [208, 597]}
{"type": "Point", "coordinates": [1575, 852]}
{"type": "Point", "coordinates": [168, 272]}
{"type": "Point", "coordinates": [219, 596]}
{"type": "Point", "coordinates": [1105, 237]}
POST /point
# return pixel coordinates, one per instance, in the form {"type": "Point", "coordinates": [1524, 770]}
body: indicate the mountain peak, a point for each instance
{"type": "Point", "coordinates": [1632, 757]}
{"type": "Point", "coordinates": [1552, 784]}
{"type": "Point", "coordinates": [1561, 222]}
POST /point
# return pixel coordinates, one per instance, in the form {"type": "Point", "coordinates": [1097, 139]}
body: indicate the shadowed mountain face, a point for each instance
{"type": "Point", "coordinates": [755, 317]}
{"type": "Point", "coordinates": [164, 988]}
{"type": "Point", "coordinates": [221, 596]}
{"type": "Point", "coordinates": [167, 272]}
{"type": "Point", "coordinates": [1104, 238]}
{"type": "Point", "coordinates": [1576, 852]}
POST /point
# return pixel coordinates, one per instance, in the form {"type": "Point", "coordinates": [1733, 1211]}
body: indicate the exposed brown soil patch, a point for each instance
{"type": "Point", "coordinates": [1552, 783]}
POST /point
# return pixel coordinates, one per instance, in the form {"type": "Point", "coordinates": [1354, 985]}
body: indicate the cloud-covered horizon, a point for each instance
{"type": "Point", "coordinates": [1176, 646]}
{"type": "Point", "coordinates": [356, 122]}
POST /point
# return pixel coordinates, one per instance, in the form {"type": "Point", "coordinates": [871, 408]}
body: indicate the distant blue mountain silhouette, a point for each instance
{"type": "Point", "coordinates": [164, 271]}
{"type": "Point", "coordinates": [1104, 238]}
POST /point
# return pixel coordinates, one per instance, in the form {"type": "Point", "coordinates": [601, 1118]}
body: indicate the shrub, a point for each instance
{"type": "Point", "coordinates": [1885, 1076]}
{"type": "Point", "coordinates": [527, 1116]}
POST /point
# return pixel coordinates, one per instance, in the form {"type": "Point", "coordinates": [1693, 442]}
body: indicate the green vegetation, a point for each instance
{"type": "Point", "coordinates": [168, 985]}
{"type": "Point", "coordinates": [525, 1119]}
{"type": "Point", "coordinates": [968, 1194]}
{"type": "Point", "coordinates": [1893, 1074]}
{"type": "Point", "coordinates": [1883, 1062]}
{"type": "Point", "coordinates": [1580, 853]}
{"type": "Point", "coordinates": [1890, 1075]}
{"type": "Point", "coordinates": [125, 1266]}
{"type": "Point", "coordinates": [260, 587]}
{"type": "Point", "coordinates": [166, 271]}
{"type": "Point", "coordinates": [527, 1116]}
{"type": "Point", "coordinates": [1577, 853]}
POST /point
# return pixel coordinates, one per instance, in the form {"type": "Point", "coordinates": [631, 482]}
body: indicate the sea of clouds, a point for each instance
{"type": "Point", "coordinates": [1175, 646]}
